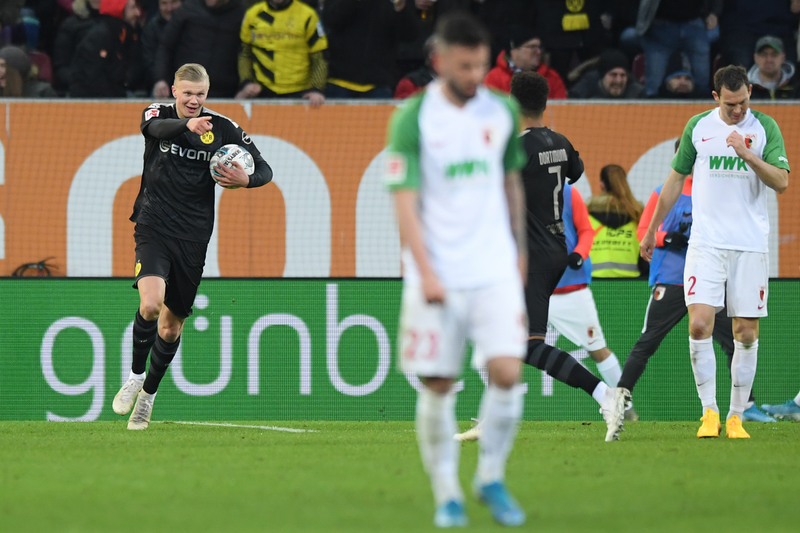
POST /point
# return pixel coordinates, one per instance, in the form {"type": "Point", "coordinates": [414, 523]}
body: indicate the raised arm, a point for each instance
{"type": "Point", "coordinates": [773, 176]}
{"type": "Point", "coordinates": [166, 128]}
{"type": "Point", "coordinates": [154, 125]}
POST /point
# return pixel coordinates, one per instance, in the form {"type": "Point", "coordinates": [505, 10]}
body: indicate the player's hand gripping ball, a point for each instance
{"type": "Point", "coordinates": [229, 154]}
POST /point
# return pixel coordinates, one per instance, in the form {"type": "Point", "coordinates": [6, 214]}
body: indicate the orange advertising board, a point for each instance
{"type": "Point", "coordinates": [71, 173]}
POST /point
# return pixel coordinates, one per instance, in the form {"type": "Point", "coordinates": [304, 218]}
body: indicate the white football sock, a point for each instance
{"type": "Point", "coordinates": [704, 366]}
{"type": "Point", "coordinates": [610, 370]}
{"type": "Point", "coordinates": [436, 425]}
{"type": "Point", "coordinates": [797, 399]}
{"type": "Point", "coordinates": [500, 413]}
{"type": "Point", "coordinates": [147, 396]}
{"type": "Point", "coordinates": [137, 377]}
{"type": "Point", "coordinates": [599, 392]}
{"type": "Point", "coordinates": [743, 372]}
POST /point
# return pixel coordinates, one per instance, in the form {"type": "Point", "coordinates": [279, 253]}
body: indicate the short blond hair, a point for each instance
{"type": "Point", "coordinates": [194, 72]}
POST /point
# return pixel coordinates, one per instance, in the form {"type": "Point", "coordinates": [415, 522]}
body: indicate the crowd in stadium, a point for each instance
{"type": "Point", "coordinates": [610, 49]}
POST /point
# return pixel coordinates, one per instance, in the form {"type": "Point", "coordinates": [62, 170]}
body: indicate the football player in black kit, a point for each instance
{"type": "Point", "coordinates": [174, 215]}
{"type": "Point", "coordinates": [551, 161]}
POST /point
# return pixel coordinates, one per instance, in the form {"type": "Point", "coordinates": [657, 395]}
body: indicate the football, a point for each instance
{"type": "Point", "coordinates": [229, 154]}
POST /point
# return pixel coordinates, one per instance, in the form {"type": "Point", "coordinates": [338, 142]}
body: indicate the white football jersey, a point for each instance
{"type": "Point", "coordinates": [457, 159]}
{"type": "Point", "coordinates": [729, 201]}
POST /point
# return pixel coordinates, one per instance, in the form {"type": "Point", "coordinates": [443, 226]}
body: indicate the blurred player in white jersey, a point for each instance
{"type": "Point", "coordinates": [453, 164]}
{"type": "Point", "coordinates": [736, 154]}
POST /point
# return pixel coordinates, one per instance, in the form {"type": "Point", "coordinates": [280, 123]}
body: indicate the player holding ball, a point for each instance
{"type": "Point", "coordinates": [174, 215]}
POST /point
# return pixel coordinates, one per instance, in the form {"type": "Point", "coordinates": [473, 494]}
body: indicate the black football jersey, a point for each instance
{"type": "Point", "coordinates": [551, 161]}
{"type": "Point", "coordinates": [177, 191]}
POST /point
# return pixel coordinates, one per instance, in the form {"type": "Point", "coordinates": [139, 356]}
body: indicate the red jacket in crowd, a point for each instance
{"type": "Point", "coordinates": [500, 78]}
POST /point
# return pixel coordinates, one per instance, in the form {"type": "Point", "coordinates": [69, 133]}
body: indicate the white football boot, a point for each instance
{"type": "Point", "coordinates": [140, 418]}
{"type": "Point", "coordinates": [473, 433]}
{"type": "Point", "coordinates": [123, 401]}
{"type": "Point", "coordinates": [613, 410]}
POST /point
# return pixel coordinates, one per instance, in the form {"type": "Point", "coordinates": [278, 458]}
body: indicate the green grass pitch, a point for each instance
{"type": "Point", "coordinates": [366, 476]}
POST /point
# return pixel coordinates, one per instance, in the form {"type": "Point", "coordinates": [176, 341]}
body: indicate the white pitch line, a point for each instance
{"type": "Point", "coordinates": [270, 428]}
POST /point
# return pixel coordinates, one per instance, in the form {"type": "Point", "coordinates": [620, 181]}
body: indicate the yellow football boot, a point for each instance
{"type": "Point", "coordinates": [734, 429]}
{"type": "Point", "coordinates": [711, 425]}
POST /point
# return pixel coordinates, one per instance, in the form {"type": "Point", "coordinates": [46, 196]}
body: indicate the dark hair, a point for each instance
{"type": "Point", "coordinates": [622, 200]}
{"type": "Point", "coordinates": [14, 83]}
{"type": "Point", "coordinates": [731, 77]}
{"type": "Point", "coordinates": [531, 89]}
{"type": "Point", "coordinates": [461, 28]}
{"type": "Point", "coordinates": [518, 35]}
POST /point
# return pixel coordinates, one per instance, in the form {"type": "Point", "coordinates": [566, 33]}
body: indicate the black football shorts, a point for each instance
{"type": "Point", "coordinates": [177, 261]}
{"type": "Point", "coordinates": [538, 290]}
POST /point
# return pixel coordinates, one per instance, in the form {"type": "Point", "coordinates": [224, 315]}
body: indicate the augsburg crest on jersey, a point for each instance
{"type": "Point", "coordinates": [749, 140]}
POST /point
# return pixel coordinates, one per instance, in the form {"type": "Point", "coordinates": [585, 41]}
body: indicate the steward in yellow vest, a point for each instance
{"type": "Point", "coordinates": [615, 252]}
{"type": "Point", "coordinates": [614, 215]}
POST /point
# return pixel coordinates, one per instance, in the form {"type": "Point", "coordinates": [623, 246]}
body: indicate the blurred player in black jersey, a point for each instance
{"type": "Point", "coordinates": [551, 161]}
{"type": "Point", "coordinates": [174, 215]}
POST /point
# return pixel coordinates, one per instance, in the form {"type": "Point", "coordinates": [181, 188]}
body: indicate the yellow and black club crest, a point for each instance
{"type": "Point", "coordinates": [575, 6]}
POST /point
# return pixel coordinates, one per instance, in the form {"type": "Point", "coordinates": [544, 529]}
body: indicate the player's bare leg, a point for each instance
{"type": "Point", "coordinates": [704, 366]}
{"type": "Point", "coordinates": [436, 423]}
{"type": "Point", "coordinates": [500, 413]}
{"type": "Point", "coordinates": [152, 290]}
{"type": "Point", "coordinates": [743, 372]}
{"type": "Point", "coordinates": [164, 350]}
{"type": "Point", "coordinates": [145, 328]}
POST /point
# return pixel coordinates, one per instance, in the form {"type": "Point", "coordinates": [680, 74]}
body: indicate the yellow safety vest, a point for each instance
{"type": "Point", "coordinates": [615, 252]}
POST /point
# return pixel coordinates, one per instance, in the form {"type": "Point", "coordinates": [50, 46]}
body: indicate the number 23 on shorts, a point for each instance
{"type": "Point", "coordinates": [420, 344]}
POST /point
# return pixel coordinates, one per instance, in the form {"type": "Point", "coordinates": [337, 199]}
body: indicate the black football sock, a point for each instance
{"type": "Point", "coordinates": [144, 335]}
{"type": "Point", "coordinates": [561, 366]}
{"type": "Point", "coordinates": [163, 354]}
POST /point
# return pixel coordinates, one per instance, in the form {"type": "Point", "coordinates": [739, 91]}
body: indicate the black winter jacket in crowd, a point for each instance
{"type": "Point", "coordinates": [363, 39]}
{"type": "Point", "coordinates": [69, 36]}
{"type": "Point", "coordinates": [151, 36]}
{"type": "Point", "coordinates": [107, 62]}
{"type": "Point", "coordinates": [198, 34]}
{"type": "Point", "coordinates": [502, 15]}
{"type": "Point", "coordinates": [424, 24]}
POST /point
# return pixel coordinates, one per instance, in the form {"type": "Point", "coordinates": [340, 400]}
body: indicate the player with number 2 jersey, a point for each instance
{"type": "Point", "coordinates": [736, 154]}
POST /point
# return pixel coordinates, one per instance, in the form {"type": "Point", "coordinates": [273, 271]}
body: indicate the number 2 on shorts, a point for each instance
{"type": "Point", "coordinates": [693, 282]}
